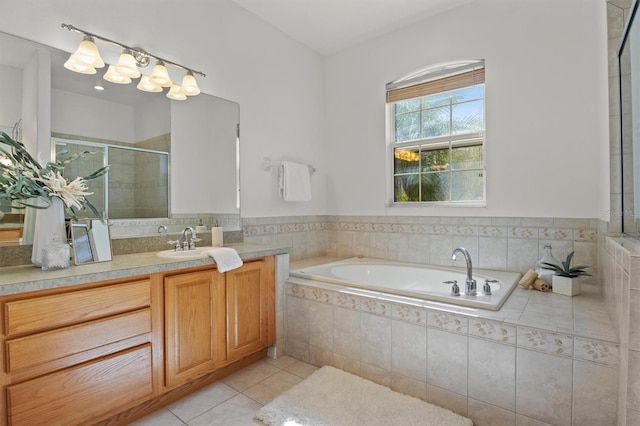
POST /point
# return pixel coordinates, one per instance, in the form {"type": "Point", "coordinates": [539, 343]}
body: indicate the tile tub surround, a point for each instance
{"type": "Point", "coordinates": [541, 358]}
{"type": "Point", "coordinates": [621, 288]}
{"type": "Point", "coordinates": [505, 244]}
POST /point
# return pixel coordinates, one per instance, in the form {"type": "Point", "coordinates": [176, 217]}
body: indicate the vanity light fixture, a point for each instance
{"type": "Point", "coordinates": [87, 58]}
{"type": "Point", "coordinates": [146, 85]}
{"type": "Point", "coordinates": [114, 76]}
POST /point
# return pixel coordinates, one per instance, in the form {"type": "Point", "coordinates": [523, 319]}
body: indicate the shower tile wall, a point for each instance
{"type": "Point", "coordinates": [121, 183]}
{"type": "Point", "coordinates": [84, 167]}
{"type": "Point", "coordinates": [621, 287]}
{"type": "Point", "coordinates": [150, 188]}
{"type": "Point", "coordinates": [513, 244]}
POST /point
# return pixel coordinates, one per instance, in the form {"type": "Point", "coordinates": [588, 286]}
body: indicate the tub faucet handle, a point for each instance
{"type": "Point", "coordinates": [455, 289]}
{"type": "Point", "coordinates": [486, 288]}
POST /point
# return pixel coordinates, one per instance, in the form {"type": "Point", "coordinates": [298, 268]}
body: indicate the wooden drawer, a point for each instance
{"type": "Point", "coordinates": [36, 349]}
{"type": "Point", "coordinates": [48, 312]}
{"type": "Point", "coordinates": [84, 394]}
{"type": "Point", "coordinates": [10, 234]}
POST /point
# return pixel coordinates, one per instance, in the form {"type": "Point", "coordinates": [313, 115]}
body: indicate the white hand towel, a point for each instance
{"type": "Point", "coordinates": [226, 258]}
{"type": "Point", "coordinates": [295, 184]}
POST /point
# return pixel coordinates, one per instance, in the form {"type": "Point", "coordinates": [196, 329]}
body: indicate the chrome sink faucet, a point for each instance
{"type": "Point", "coordinates": [470, 287]}
{"type": "Point", "coordinates": [189, 238]}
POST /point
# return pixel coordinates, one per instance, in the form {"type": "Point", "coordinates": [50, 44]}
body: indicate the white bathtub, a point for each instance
{"type": "Point", "coordinates": [413, 280]}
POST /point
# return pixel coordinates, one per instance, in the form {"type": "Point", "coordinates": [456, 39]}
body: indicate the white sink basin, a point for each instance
{"type": "Point", "coordinates": [196, 253]}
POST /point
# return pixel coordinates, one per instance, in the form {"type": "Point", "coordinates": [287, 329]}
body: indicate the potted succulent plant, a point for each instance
{"type": "Point", "coordinates": [564, 278]}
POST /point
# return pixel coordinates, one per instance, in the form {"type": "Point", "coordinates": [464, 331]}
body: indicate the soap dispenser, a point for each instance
{"type": "Point", "coordinates": [201, 228]}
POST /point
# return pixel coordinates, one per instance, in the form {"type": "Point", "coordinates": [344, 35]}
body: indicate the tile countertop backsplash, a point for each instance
{"type": "Point", "coordinates": [21, 279]}
{"type": "Point", "coordinates": [583, 315]}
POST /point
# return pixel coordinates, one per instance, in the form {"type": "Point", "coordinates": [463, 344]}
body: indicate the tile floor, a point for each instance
{"type": "Point", "coordinates": [233, 400]}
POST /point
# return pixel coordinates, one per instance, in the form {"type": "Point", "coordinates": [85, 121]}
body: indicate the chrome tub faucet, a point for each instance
{"type": "Point", "coordinates": [470, 287]}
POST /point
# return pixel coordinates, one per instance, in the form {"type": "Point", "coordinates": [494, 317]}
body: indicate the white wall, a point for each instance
{"type": "Point", "coordinates": [91, 117]}
{"type": "Point", "coordinates": [277, 81]}
{"type": "Point", "coordinates": [546, 139]}
{"type": "Point", "coordinates": [203, 136]}
{"type": "Point", "coordinates": [152, 119]}
{"type": "Point", "coordinates": [546, 107]}
{"type": "Point", "coordinates": [11, 89]}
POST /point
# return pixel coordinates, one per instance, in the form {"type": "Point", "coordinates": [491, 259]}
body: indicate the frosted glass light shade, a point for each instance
{"type": "Point", "coordinates": [87, 53]}
{"type": "Point", "coordinates": [114, 76]}
{"type": "Point", "coordinates": [126, 66]}
{"type": "Point", "coordinates": [74, 65]}
{"type": "Point", "coordinates": [160, 75]}
{"type": "Point", "coordinates": [146, 85]}
{"type": "Point", "coordinates": [176, 94]}
{"type": "Point", "coordinates": [189, 85]}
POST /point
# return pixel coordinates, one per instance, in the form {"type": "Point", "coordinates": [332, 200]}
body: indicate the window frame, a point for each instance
{"type": "Point", "coordinates": [434, 74]}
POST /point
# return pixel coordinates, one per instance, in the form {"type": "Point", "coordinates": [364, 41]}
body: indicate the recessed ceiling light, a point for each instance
{"type": "Point", "coordinates": [98, 87]}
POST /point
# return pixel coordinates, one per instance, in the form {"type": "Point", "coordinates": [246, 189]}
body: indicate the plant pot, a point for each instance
{"type": "Point", "coordinates": [565, 285]}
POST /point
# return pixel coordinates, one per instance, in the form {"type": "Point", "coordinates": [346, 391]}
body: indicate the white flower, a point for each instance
{"type": "Point", "coordinates": [71, 193]}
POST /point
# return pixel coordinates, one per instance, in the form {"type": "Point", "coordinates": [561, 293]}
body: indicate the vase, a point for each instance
{"type": "Point", "coordinates": [49, 227]}
{"type": "Point", "coordinates": [565, 285]}
{"type": "Point", "coordinates": [547, 257]}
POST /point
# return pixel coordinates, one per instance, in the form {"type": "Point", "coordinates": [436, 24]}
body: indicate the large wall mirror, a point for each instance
{"type": "Point", "coordinates": [629, 67]}
{"type": "Point", "coordinates": [167, 157]}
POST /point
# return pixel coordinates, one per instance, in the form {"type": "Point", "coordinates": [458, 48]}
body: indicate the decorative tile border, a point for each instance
{"type": "Point", "coordinates": [492, 330]}
{"type": "Point", "coordinates": [347, 301]}
{"type": "Point", "coordinates": [310, 293]}
{"type": "Point", "coordinates": [375, 306]}
{"type": "Point", "coordinates": [604, 353]}
{"type": "Point", "coordinates": [562, 229]}
{"type": "Point", "coordinates": [408, 313]}
{"type": "Point", "coordinates": [545, 341]}
{"type": "Point", "coordinates": [449, 322]}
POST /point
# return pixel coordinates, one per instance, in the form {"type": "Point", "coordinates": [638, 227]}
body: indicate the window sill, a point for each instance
{"type": "Point", "coordinates": [474, 204]}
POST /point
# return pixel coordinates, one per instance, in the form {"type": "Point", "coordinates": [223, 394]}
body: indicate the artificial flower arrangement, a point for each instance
{"type": "Point", "coordinates": [22, 178]}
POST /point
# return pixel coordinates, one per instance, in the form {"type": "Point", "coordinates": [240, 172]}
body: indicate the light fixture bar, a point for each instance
{"type": "Point", "coordinates": [135, 50]}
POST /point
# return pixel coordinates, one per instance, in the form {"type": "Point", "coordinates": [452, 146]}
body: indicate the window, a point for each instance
{"type": "Point", "coordinates": [437, 136]}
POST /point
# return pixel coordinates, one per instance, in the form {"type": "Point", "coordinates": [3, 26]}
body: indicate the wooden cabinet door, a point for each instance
{"type": "Point", "coordinates": [250, 308]}
{"type": "Point", "coordinates": [191, 302]}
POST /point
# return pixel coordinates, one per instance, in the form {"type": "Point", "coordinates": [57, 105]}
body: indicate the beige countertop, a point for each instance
{"type": "Point", "coordinates": [22, 279]}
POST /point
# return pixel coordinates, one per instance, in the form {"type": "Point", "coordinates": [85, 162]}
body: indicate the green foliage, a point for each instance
{"type": "Point", "coordinates": [23, 178]}
{"type": "Point", "coordinates": [565, 270]}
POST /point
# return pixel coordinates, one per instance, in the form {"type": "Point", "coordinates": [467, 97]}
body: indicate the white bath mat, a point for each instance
{"type": "Point", "coordinates": [333, 397]}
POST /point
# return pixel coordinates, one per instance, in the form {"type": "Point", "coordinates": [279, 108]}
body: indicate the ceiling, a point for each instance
{"type": "Point", "coordinates": [329, 26]}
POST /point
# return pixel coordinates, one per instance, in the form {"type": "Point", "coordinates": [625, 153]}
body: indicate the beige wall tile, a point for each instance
{"type": "Point", "coordinates": [447, 399]}
{"type": "Point", "coordinates": [447, 361]}
{"type": "Point", "coordinates": [488, 415]}
{"type": "Point", "coordinates": [544, 387]}
{"type": "Point", "coordinates": [375, 341]}
{"type": "Point", "coordinates": [595, 389]}
{"type": "Point", "coordinates": [492, 373]}
{"type": "Point", "coordinates": [408, 350]}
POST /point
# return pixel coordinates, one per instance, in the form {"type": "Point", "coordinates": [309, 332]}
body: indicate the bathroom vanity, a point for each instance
{"type": "Point", "coordinates": [112, 342]}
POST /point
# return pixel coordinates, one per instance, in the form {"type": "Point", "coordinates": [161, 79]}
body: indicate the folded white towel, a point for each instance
{"type": "Point", "coordinates": [295, 184]}
{"type": "Point", "coordinates": [226, 258]}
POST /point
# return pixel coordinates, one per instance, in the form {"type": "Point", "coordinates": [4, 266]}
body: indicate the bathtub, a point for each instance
{"type": "Point", "coordinates": [413, 280]}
